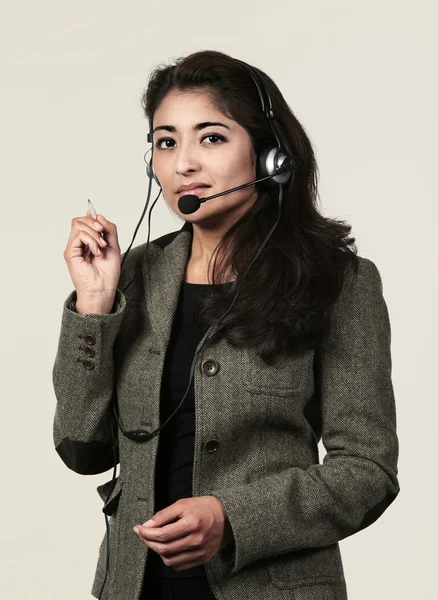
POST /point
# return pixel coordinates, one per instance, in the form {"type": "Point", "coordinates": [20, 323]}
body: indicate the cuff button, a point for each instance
{"type": "Point", "coordinates": [87, 364]}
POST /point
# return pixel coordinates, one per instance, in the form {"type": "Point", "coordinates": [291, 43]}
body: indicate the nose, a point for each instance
{"type": "Point", "coordinates": [186, 160]}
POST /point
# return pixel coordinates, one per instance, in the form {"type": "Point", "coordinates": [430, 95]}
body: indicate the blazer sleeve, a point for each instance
{"type": "Point", "coordinates": [83, 380]}
{"type": "Point", "coordinates": [302, 508]}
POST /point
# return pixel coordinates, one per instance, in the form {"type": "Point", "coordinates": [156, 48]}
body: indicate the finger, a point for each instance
{"type": "Point", "coordinates": [167, 533]}
{"type": "Point", "coordinates": [189, 565]}
{"type": "Point", "coordinates": [88, 227]}
{"type": "Point", "coordinates": [178, 547]}
{"type": "Point", "coordinates": [76, 246]}
{"type": "Point", "coordinates": [182, 561]}
{"type": "Point", "coordinates": [110, 231]}
{"type": "Point", "coordinates": [194, 562]}
{"type": "Point", "coordinates": [88, 221]}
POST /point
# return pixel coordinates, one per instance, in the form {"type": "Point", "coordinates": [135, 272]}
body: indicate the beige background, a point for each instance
{"type": "Point", "coordinates": [361, 77]}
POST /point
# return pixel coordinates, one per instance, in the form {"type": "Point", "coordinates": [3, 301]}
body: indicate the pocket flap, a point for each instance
{"type": "Point", "coordinates": [110, 505]}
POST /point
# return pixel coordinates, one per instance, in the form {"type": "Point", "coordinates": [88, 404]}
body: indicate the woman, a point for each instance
{"type": "Point", "coordinates": [241, 506]}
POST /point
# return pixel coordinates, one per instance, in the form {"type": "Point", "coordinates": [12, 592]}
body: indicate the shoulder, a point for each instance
{"type": "Point", "coordinates": [360, 309]}
{"type": "Point", "coordinates": [366, 275]}
{"type": "Point", "coordinates": [362, 288]}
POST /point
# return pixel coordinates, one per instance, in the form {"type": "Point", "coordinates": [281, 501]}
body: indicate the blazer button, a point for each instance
{"type": "Point", "coordinates": [88, 364]}
{"type": "Point", "coordinates": [90, 352]}
{"type": "Point", "coordinates": [211, 446]}
{"type": "Point", "coordinates": [209, 367]}
{"type": "Point", "coordinates": [89, 339]}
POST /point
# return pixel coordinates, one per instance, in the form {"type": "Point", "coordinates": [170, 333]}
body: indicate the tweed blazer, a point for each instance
{"type": "Point", "coordinates": [287, 510]}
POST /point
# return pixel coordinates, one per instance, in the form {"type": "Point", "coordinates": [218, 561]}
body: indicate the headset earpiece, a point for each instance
{"type": "Point", "coordinates": [151, 173]}
{"type": "Point", "coordinates": [272, 159]}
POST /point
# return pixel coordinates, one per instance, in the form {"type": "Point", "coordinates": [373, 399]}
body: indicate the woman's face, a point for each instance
{"type": "Point", "coordinates": [187, 150]}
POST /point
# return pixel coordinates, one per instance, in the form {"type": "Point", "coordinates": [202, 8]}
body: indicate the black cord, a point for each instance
{"type": "Point", "coordinates": [142, 435]}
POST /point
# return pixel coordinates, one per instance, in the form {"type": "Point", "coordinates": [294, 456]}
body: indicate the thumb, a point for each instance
{"type": "Point", "coordinates": [166, 515]}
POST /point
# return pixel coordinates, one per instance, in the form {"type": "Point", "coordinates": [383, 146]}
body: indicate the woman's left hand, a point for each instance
{"type": "Point", "coordinates": [201, 529]}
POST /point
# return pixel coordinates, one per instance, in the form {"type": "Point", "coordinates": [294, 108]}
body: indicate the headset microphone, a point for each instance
{"type": "Point", "coordinates": [190, 203]}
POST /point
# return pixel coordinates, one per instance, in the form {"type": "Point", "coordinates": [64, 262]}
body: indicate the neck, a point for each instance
{"type": "Point", "coordinates": [204, 243]}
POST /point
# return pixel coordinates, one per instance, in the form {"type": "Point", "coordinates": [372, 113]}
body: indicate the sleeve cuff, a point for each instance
{"type": "Point", "coordinates": [119, 303]}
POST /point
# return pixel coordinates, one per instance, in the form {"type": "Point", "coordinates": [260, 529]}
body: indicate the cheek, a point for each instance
{"type": "Point", "coordinates": [238, 166]}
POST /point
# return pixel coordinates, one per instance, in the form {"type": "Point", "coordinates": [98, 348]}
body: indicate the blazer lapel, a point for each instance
{"type": "Point", "coordinates": [163, 275]}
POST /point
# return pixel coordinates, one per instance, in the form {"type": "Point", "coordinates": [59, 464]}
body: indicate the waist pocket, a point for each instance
{"type": "Point", "coordinates": [111, 504]}
{"type": "Point", "coordinates": [306, 567]}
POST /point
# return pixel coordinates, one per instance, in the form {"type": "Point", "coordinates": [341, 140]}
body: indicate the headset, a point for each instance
{"type": "Point", "coordinates": [272, 159]}
{"type": "Point", "coordinates": [276, 166]}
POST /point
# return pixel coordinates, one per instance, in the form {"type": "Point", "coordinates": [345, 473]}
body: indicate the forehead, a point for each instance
{"type": "Point", "coordinates": [187, 107]}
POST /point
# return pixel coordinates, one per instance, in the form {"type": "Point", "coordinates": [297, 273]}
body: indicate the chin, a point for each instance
{"type": "Point", "coordinates": [210, 220]}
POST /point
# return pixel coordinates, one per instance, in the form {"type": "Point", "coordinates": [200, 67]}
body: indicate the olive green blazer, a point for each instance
{"type": "Point", "coordinates": [286, 510]}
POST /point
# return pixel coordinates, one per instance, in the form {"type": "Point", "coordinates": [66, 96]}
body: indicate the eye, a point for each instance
{"type": "Point", "coordinates": [214, 135]}
{"type": "Point", "coordinates": [158, 143]}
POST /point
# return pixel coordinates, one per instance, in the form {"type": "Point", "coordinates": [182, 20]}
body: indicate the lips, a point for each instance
{"type": "Point", "coordinates": [194, 190]}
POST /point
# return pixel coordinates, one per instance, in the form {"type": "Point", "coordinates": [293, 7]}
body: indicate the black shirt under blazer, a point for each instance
{"type": "Point", "coordinates": [286, 510]}
{"type": "Point", "coordinates": [174, 464]}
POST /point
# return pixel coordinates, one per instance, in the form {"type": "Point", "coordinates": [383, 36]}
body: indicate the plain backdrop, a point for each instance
{"type": "Point", "coordinates": [362, 79]}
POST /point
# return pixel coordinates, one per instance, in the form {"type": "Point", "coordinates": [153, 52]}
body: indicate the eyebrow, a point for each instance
{"type": "Point", "coordinates": [197, 127]}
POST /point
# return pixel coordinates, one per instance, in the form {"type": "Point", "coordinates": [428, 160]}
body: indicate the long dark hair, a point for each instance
{"type": "Point", "coordinates": [285, 298]}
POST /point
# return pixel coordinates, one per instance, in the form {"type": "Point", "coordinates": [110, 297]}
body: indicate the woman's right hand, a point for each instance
{"type": "Point", "coordinates": [95, 272]}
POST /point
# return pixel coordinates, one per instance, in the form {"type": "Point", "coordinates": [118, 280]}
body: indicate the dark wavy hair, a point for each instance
{"type": "Point", "coordinates": [284, 302]}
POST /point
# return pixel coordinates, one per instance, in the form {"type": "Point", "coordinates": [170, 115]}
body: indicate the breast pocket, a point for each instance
{"type": "Point", "coordinates": [287, 376]}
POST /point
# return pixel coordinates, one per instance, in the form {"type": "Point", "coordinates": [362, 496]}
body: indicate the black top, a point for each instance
{"type": "Point", "coordinates": [174, 466]}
